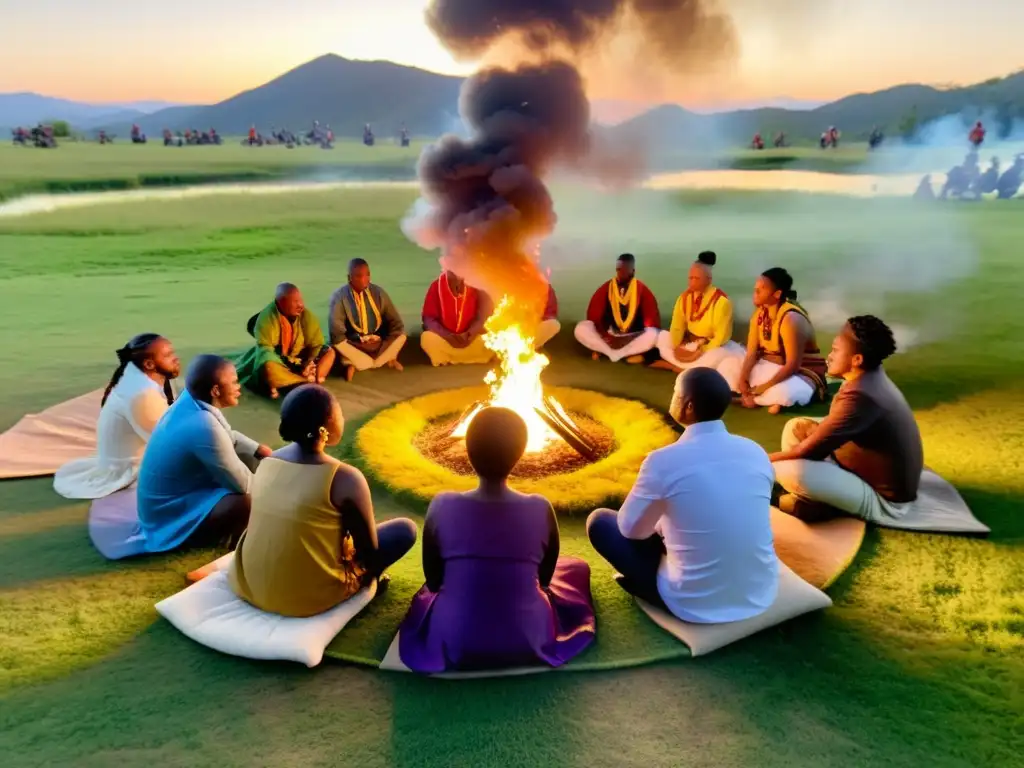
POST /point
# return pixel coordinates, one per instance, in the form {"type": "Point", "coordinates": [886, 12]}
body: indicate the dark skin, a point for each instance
{"type": "Point", "coordinates": [493, 487]}
{"type": "Point", "coordinates": [161, 364]}
{"type": "Point", "coordinates": [624, 272]}
{"type": "Point", "coordinates": [460, 340]}
{"type": "Point", "coordinates": [291, 304]}
{"type": "Point", "coordinates": [372, 344]}
{"type": "Point", "coordinates": [350, 493]}
{"type": "Point", "coordinates": [795, 333]}
{"type": "Point", "coordinates": [226, 393]}
{"type": "Point", "coordinates": [844, 362]}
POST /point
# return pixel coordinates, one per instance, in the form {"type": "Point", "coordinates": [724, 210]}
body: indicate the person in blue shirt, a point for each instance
{"type": "Point", "coordinates": [194, 481]}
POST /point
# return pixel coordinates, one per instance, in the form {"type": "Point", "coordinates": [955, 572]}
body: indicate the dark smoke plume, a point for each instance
{"type": "Point", "coordinates": [484, 202]}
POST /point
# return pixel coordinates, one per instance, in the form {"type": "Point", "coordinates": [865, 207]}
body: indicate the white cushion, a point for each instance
{"type": "Point", "coordinates": [795, 597]}
{"type": "Point", "coordinates": [212, 615]}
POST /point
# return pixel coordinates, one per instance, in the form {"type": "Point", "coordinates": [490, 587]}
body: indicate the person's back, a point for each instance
{"type": "Point", "coordinates": [888, 453]}
{"type": "Point", "coordinates": [721, 564]}
{"type": "Point", "coordinates": [492, 551]}
{"type": "Point", "coordinates": [293, 559]}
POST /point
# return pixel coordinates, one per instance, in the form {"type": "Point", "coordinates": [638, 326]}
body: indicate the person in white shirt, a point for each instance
{"type": "Point", "coordinates": [694, 534]}
{"type": "Point", "coordinates": [136, 398]}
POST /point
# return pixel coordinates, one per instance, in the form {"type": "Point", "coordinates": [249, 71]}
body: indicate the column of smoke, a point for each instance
{"type": "Point", "coordinates": [484, 201]}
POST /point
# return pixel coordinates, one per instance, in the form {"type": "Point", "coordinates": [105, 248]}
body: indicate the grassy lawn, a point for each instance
{"type": "Point", "coordinates": [80, 166]}
{"type": "Point", "coordinates": [920, 661]}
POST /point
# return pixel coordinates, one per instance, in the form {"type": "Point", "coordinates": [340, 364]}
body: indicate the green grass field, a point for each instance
{"type": "Point", "coordinates": [920, 661]}
{"type": "Point", "coordinates": [79, 166]}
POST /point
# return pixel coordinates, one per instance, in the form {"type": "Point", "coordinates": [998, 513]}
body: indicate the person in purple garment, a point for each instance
{"type": "Point", "coordinates": [497, 595]}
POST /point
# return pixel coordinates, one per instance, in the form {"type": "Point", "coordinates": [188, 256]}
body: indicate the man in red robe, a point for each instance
{"type": "Point", "coordinates": [453, 322]}
{"type": "Point", "coordinates": [977, 134]}
{"type": "Point", "coordinates": [622, 318]}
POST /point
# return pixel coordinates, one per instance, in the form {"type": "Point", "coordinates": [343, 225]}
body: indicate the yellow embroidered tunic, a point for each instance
{"type": "Point", "coordinates": [704, 318]}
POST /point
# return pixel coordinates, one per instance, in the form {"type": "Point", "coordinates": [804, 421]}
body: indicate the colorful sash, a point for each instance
{"type": "Point", "coordinates": [618, 299]}
{"type": "Point", "coordinates": [360, 320]}
{"type": "Point", "coordinates": [813, 368]}
{"type": "Point", "coordinates": [458, 304]}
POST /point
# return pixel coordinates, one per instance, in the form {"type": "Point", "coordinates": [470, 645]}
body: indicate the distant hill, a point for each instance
{"type": "Point", "coordinates": [347, 94]}
{"type": "Point", "coordinates": [339, 92]}
{"type": "Point", "coordinates": [854, 115]}
{"type": "Point", "coordinates": [31, 108]}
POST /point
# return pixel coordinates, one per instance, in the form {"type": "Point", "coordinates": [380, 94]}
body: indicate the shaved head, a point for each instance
{"type": "Point", "coordinates": [705, 396]}
{"type": "Point", "coordinates": [289, 300]}
{"type": "Point", "coordinates": [284, 290]}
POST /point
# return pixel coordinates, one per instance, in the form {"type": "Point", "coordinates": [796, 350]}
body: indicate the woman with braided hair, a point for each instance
{"type": "Point", "coordinates": [136, 398]}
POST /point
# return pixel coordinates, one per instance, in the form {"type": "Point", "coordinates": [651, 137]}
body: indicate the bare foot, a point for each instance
{"type": "Point", "coordinates": [747, 401]}
{"type": "Point", "coordinates": [775, 410]}
{"type": "Point", "coordinates": [635, 359]}
{"type": "Point", "coordinates": [395, 365]}
{"type": "Point", "coordinates": [350, 372]}
{"type": "Point", "coordinates": [664, 365]}
{"type": "Point", "coordinates": [595, 356]}
{"type": "Point", "coordinates": [274, 393]}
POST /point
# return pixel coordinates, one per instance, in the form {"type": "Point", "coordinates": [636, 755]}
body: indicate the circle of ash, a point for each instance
{"type": "Point", "coordinates": [625, 431]}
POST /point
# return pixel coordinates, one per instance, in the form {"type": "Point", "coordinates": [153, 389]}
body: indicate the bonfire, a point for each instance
{"type": "Point", "coordinates": [515, 384]}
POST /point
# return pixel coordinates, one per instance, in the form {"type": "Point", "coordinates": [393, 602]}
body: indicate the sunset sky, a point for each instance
{"type": "Point", "coordinates": [202, 51]}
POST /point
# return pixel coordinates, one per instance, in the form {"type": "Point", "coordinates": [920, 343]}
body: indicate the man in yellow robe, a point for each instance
{"type": "Point", "coordinates": [290, 348]}
{"type": "Point", "coordinates": [702, 323]}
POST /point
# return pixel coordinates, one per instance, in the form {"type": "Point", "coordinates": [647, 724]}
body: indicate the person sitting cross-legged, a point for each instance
{"type": "Point", "coordinates": [701, 332]}
{"type": "Point", "coordinates": [312, 541]}
{"type": "Point", "coordinates": [622, 317]}
{"type": "Point", "coordinates": [782, 366]}
{"type": "Point", "coordinates": [454, 315]}
{"type": "Point", "coordinates": [365, 327]}
{"type": "Point", "coordinates": [694, 534]}
{"type": "Point", "coordinates": [497, 592]}
{"type": "Point", "coordinates": [138, 395]}
{"type": "Point", "coordinates": [193, 487]}
{"type": "Point", "coordinates": [290, 348]}
{"type": "Point", "coordinates": [865, 458]}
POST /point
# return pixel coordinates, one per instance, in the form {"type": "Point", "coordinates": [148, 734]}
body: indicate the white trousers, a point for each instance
{"type": "Point", "coordinates": [363, 362]}
{"type": "Point", "coordinates": [793, 391]}
{"type": "Point", "coordinates": [588, 335]}
{"type": "Point", "coordinates": [827, 483]}
{"type": "Point", "coordinates": [710, 359]}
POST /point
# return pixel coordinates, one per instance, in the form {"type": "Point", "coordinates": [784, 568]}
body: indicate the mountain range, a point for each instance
{"type": "Point", "coordinates": [31, 108]}
{"type": "Point", "coordinates": [346, 94]}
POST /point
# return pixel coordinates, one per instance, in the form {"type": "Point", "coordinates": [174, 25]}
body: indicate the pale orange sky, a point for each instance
{"type": "Point", "coordinates": [201, 51]}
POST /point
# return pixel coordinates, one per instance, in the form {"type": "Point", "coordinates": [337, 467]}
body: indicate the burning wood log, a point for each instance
{"type": "Point", "coordinates": [565, 428]}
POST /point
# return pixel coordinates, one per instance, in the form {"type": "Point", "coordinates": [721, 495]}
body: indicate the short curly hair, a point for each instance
{"type": "Point", "coordinates": [875, 341]}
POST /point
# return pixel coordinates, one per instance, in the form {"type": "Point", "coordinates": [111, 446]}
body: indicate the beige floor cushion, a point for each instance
{"type": "Point", "coordinates": [819, 552]}
{"type": "Point", "coordinates": [795, 598]}
{"type": "Point", "coordinates": [939, 509]}
{"type": "Point", "coordinates": [41, 443]}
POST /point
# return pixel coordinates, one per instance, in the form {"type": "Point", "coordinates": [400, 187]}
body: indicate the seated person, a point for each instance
{"type": "Point", "coordinates": [366, 329]}
{"type": "Point", "coordinates": [783, 366]}
{"type": "Point", "coordinates": [694, 536]}
{"type": "Point", "coordinates": [701, 333]}
{"type": "Point", "coordinates": [549, 325]}
{"type": "Point", "coordinates": [289, 349]}
{"type": "Point", "coordinates": [312, 541]}
{"type": "Point", "coordinates": [136, 398]}
{"type": "Point", "coordinates": [497, 594]}
{"type": "Point", "coordinates": [454, 315]}
{"type": "Point", "coordinates": [865, 458]}
{"type": "Point", "coordinates": [622, 318]}
{"type": "Point", "coordinates": [196, 473]}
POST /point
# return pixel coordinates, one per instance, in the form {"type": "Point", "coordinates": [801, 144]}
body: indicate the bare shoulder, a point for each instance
{"type": "Point", "coordinates": [796, 322]}
{"type": "Point", "coordinates": [348, 480]}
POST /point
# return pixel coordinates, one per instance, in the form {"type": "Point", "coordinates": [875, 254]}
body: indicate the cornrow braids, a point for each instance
{"type": "Point", "coordinates": [135, 351]}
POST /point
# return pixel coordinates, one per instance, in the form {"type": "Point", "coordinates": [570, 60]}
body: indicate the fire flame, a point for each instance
{"type": "Point", "coordinates": [515, 383]}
